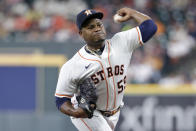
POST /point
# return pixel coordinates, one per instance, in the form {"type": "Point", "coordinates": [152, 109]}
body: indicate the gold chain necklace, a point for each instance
{"type": "Point", "coordinates": [93, 52]}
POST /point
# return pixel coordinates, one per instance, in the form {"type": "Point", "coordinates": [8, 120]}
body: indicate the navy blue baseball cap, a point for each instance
{"type": "Point", "coordinates": [86, 15]}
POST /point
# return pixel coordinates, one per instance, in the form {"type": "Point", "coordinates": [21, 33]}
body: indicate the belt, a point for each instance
{"type": "Point", "coordinates": [109, 113]}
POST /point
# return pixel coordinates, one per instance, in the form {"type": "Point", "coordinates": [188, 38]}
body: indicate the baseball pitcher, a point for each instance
{"type": "Point", "coordinates": [91, 84]}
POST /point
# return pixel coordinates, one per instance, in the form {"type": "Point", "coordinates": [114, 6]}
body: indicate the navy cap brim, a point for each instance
{"type": "Point", "coordinates": [98, 15]}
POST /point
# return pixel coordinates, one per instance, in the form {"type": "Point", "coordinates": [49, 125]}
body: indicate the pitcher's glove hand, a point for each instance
{"type": "Point", "coordinates": [87, 97]}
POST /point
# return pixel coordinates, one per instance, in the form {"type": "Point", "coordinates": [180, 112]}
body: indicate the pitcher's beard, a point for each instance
{"type": "Point", "coordinates": [100, 41]}
{"type": "Point", "coordinates": [97, 44]}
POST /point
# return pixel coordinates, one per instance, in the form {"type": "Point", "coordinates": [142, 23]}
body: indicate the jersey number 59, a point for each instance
{"type": "Point", "coordinates": [121, 85]}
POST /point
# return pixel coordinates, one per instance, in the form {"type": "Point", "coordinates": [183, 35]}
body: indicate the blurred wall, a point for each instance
{"type": "Point", "coordinates": [28, 77]}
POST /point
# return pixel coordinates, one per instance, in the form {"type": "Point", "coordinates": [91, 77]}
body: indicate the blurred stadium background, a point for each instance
{"type": "Point", "coordinates": [38, 36]}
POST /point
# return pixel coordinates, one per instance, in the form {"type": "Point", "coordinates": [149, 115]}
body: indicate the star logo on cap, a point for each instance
{"type": "Point", "coordinates": [88, 12]}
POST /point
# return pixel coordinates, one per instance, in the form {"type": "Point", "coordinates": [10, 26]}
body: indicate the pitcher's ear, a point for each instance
{"type": "Point", "coordinates": [80, 32]}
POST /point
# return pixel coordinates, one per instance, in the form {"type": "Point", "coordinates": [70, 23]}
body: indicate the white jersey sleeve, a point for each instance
{"type": "Point", "coordinates": [130, 39]}
{"type": "Point", "coordinates": [66, 86]}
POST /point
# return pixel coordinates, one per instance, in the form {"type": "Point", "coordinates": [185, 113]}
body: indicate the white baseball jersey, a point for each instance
{"type": "Point", "coordinates": [107, 71]}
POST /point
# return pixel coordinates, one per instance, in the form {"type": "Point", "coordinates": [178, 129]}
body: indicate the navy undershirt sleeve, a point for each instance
{"type": "Point", "coordinates": [147, 28]}
{"type": "Point", "coordinates": [60, 101]}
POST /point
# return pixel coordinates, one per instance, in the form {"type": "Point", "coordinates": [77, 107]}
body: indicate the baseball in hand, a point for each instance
{"type": "Point", "coordinates": [116, 18]}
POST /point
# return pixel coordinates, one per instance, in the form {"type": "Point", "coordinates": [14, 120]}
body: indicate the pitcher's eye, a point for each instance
{"type": "Point", "coordinates": [91, 27]}
{"type": "Point", "coordinates": [99, 24]}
